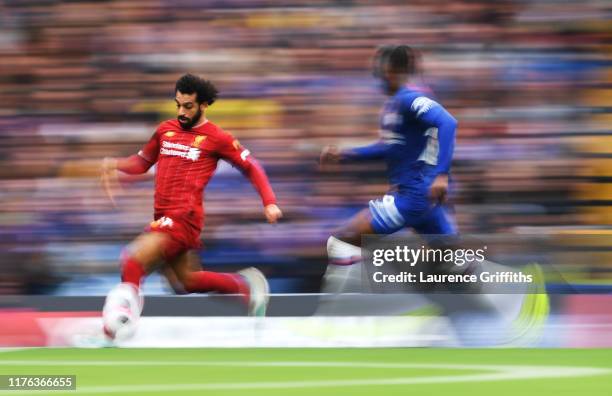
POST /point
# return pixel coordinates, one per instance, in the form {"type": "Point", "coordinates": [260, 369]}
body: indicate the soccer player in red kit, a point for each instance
{"type": "Point", "coordinates": [186, 151]}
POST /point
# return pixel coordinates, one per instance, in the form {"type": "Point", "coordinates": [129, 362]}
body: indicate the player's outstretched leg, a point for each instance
{"type": "Point", "coordinates": [250, 283]}
{"type": "Point", "coordinates": [124, 303]}
{"type": "Point", "coordinates": [139, 258]}
{"type": "Point", "coordinates": [343, 273]}
{"type": "Point", "coordinates": [259, 291]}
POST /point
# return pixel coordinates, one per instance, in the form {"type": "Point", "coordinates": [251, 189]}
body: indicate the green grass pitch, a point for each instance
{"type": "Point", "coordinates": [320, 372]}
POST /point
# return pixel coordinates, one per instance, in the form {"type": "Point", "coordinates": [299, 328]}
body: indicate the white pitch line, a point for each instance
{"type": "Point", "coordinates": [499, 373]}
{"type": "Point", "coordinates": [291, 363]}
{"type": "Point", "coordinates": [11, 349]}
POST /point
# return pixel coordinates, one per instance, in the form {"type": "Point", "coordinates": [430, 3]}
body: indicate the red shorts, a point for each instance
{"type": "Point", "coordinates": [184, 233]}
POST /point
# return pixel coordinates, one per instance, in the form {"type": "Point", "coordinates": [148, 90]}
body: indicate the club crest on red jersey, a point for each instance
{"type": "Point", "coordinates": [198, 140]}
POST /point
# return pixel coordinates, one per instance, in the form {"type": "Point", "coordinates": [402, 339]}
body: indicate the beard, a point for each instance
{"type": "Point", "coordinates": [188, 123]}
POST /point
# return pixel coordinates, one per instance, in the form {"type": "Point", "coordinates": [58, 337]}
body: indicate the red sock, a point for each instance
{"type": "Point", "coordinates": [206, 281]}
{"type": "Point", "coordinates": [131, 271]}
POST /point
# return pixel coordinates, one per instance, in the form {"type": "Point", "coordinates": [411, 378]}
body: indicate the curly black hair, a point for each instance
{"type": "Point", "coordinates": [205, 90]}
{"type": "Point", "coordinates": [401, 59]}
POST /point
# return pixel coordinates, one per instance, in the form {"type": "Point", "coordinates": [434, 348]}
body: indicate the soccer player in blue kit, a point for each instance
{"type": "Point", "coordinates": [417, 138]}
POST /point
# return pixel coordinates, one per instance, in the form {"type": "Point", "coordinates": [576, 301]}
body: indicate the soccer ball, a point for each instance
{"type": "Point", "coordinates": [121, 312]}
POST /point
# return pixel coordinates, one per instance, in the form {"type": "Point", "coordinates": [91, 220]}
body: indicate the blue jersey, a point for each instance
{"type": "Point", "coordinates": [414, 130]}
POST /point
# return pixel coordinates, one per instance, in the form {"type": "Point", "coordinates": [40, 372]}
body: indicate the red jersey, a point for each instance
{"type": "Point", "coordinates": [187, 159]}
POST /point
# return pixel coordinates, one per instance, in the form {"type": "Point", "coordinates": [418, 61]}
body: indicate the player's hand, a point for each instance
{"type": "Point", "coordinates": [438, 189]}
{"type": "Point", "coordinates": [330, 155]}
{"type": "Point", "coordinates": [272, 213]}
{"type": "Point", "coordinates": [109, 179]}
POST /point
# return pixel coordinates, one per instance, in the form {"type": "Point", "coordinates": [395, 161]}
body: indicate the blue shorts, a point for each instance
{"type": "Point", "coordinates": [410, 206]}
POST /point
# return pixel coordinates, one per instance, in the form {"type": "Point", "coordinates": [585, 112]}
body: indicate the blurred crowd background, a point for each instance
{"type": "Point", "coordinates": [529, 81]}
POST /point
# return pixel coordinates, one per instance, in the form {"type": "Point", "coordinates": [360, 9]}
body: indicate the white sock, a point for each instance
{"type": "Point", "coordinates": [343, 273]}
{"type": "Point", "coordinates": [347, 278]}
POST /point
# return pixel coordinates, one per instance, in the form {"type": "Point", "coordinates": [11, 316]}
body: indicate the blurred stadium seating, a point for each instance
{"type": "Point", "coordinates": [529, 82]}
